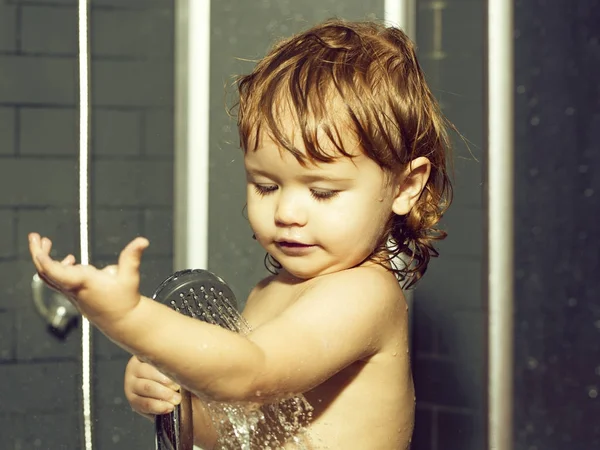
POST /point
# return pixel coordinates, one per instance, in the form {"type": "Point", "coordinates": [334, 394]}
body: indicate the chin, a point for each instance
{"type": "Point", "coordinates": [306, 273]}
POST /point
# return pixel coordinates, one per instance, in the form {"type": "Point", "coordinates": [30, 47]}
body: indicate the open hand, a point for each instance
{"type": "Point", "coordinates": [102, 295]}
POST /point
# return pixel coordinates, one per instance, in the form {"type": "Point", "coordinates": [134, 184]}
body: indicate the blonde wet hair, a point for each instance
{"type": "Point", "coordinates": [385, 103]}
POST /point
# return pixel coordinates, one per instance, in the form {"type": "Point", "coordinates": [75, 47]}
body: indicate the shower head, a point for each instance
{"type": "Point", "coordinates": [58, 312]}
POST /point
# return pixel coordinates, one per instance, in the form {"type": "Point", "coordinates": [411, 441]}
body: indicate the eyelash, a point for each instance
{"type": "Point", "coordinates": [319, 195]}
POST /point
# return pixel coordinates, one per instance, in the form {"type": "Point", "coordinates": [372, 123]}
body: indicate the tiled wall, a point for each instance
{"type": "Point", "coordinates": [557, 205]}
{"type": "Point", "coordinates": [449, 341]}
{"type": "Point", "coordinates": [131, 194]}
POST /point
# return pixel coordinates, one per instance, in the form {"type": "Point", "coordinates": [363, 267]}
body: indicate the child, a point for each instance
{"type": "Point", "coordinates": [345, 156]}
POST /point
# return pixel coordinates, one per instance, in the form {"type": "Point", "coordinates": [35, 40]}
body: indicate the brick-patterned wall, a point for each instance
{"type": "Point", "coordinates": [449, 320]}
{"type": "Point", "coordinates": [131, 194]}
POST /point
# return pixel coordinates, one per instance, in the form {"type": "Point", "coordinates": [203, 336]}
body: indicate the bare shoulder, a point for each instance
{"type": "Point", "coordinates": [370, 286]}
{"type": "Point", "coordinates": [254, 309]}
{"type": "Point", "coordinates": [369, 298]}
{"type": "Point", "coordinates": [260, 286]}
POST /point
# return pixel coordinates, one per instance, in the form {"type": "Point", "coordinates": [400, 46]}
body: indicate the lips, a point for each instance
{"type": "Point", "coordinates": [293, 248]}
{"type": "Point", "coordinates": [292, 244]}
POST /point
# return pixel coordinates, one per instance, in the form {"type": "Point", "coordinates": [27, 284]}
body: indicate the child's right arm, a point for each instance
{"type": "Point", "coordinates": [149, 393]}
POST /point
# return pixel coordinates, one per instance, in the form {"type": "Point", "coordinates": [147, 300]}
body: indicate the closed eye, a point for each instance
{"type": "Point", "coordinates": [265, 189]}
{"type": "Point", "coordinates": [321, 194]}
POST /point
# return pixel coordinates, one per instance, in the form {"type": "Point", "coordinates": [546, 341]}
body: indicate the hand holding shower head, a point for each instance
{"type": "Point", "coordinates": [202, 295]}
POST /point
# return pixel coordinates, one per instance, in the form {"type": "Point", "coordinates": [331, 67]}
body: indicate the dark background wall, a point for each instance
{"type": "Point", "coordinates": [449, 319]}
{"type": "Point", "coordinates": [132, 80]}
{"type": "Point", "coordinates": [131, 194]}
{"type": "Point", "coordinates": [557, 237]}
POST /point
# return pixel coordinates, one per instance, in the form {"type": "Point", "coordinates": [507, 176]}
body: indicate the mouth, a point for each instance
{"type": "Point", "coordinates": [292, 244]}
{"type": "Point", "coordinates": [293, 248]}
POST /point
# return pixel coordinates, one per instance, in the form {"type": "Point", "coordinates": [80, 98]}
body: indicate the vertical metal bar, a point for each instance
{"type": "Point", "coordinates": [500, 222]}
{"type": "Point", "coordinates": [192, 69]}
{"type": "Point", "coordinates": [402, 14]}
{"type": "Point", "coordinates": [84, 121]}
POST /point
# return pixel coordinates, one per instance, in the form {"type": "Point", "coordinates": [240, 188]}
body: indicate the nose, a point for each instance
{"type": "Point", "coordinates": [290, 210]}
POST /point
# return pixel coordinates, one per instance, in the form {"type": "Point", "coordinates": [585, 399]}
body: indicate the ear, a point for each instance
{"type": "Point", "coordinates": [411, 182]}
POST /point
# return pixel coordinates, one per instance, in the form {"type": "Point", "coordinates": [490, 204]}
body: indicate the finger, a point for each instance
{"type": "Point", "coordinates": [38, 247]}
{"type": "Point", "coordinates": [56, 274]}
{"type": "Point", "coordinates": [68, 261]}
{"type": "Point", "coordinates": [130, 259]}
{"type": "Point", "coordinates": [112, 269]}
{"type": "Point", "coordinates": [149, 372]}
{"type": "Point", "coordinates": [152, 389]}
{"type": "Point", "coordinates": [46, 245]}
{"type": "Point", "coordinates": [150, 406]}
{"type": "Point", "coordinates": [34, 247]}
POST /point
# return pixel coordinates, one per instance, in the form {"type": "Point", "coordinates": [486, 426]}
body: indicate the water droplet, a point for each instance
{"type": "Point", "coordinates": [572, 301]}
{"type": "Point", "coordinates": [588, 192]}
{"type": "Point", "coordinates": [570, 111]}
{"type": "Point", "coordinates": [520, 89]}
{"type": "Point", "coordinates": [593, 392]}
{"type": "Point", "coordinates": [535, 121]}
{"type": "Point", "coordinates": [532, 363]}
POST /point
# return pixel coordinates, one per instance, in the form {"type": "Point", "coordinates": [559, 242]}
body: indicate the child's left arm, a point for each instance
{"type": "Point", "coordinates": [342, 319]}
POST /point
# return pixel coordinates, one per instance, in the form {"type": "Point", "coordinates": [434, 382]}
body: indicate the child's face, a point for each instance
{"type": "Point", "coordinates": [318, 219]}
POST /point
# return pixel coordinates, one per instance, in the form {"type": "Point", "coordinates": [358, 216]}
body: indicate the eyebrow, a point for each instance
{"type": "Point", "coordinates": [323, 177]}
{"type": "Point", "coordinates": [308, 178]}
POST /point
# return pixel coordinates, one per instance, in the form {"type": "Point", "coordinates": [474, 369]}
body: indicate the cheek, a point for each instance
{"type": "Point", "coordinates": [257, 212]}
{"type": "Point", "coordinates": [365, 222]}
{"type": "Point", "coordinates": [352, 221]}
{"type": "Point", "coordinates": [251, 211]}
